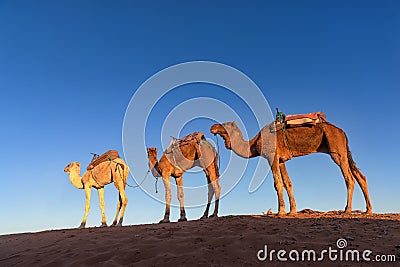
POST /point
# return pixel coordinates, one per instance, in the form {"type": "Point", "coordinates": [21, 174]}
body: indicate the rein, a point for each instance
{"type": "Point", "coordinates": [119, 170]}
{"type": "Point", "coordinates": [135, 186]}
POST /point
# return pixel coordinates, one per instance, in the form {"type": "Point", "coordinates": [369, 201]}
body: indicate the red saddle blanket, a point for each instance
{"type": "Point", "coordinates": [109, 155]}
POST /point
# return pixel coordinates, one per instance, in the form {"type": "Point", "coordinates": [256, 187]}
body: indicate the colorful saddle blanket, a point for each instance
{"type": "Point", "coordinates": [109, 155]}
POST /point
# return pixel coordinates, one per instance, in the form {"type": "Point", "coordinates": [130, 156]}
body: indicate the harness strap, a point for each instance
{"type": "Point", "coordinates": [176, 144]}
{"type": "Point", "coordinates": [94, 177]}
{"type": "Point", "coordinates": [280, 116]}
{"type": "Point", "coordinates": [286, 141]}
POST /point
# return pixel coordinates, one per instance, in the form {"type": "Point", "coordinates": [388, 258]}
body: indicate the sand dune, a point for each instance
{"type": "Point", "coordinates": [224, 241]}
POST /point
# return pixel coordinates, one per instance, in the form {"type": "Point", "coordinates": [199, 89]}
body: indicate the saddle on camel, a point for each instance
{"type": "Point", "coordinates": [175, 143]}
{"type": "Point", "coordinates": [110, 155]}
{"type": "Point", "coordinates": [297, 120]}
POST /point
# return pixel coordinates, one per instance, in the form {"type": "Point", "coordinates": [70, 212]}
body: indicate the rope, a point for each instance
{"type": "Point", "coordinates": [119, 170]}
{"type": "Point", "coordinates": [135, 186]}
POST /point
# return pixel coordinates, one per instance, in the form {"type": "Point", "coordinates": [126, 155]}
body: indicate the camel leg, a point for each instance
{"type": "Point", "coordinates": [167, 186]}
{"type": "Point", "coordinates": [87, 206]}
{"type": "Point", "coordinates": [217, 191]}
{"type": "Point", "coordinates": [278, 184]}
{"type": "Point", "coordinates": [124, 202]}
{"type": "Point", "coordinates": [287, 183]}
{"type": "Point", "coordinates": [118, 209]}
{"type": "Point", "coordinates": [103, 215]}
{"type": "Point", "coordinates": [343, 163]}
{"type": "Point", "coordinates": [120, 184]}
{"type": "Point", "coordinates": [210, 196]}
{"type": "Point", "coordinates": [181, 199]}
{"type": "Point", "coordinates": [362, 181]}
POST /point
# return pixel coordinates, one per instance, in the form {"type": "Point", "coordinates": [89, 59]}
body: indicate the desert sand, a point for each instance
{"type": "Point", "coordinates": [224, 241]}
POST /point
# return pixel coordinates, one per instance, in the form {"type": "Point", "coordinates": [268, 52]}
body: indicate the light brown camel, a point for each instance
{"type": "Point", "coordinates": [179, 157]}
{"type": "Point", "coordinates": [300, 141]}
{"type": "Point", "coordinates": [105, 173]}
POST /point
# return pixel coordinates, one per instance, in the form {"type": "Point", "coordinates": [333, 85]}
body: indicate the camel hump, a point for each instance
{"type": "Point", "coordinates": [109, 155]}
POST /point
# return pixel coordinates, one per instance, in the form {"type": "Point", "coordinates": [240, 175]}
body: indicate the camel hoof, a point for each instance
{"type": "Point", "coordinates": [114, 224]}
{"type": "Point", "coordinates": [292, 213]}
{"type": "Point", "coordinates": [368, 212]}
{"type": "Point", "coordinates": [213, 216]}
{"type": "Point", "coordinates": [82, 226]}
{"type": "Point", "coordinates": [103, 225]}
{"type": "Point", "coordinates": [203, 217]}
{"type": "Point", "coordinates": [281, 213]}
{"type": "Point", "coordinates": [164, 221]}
{"type": "Point", "coordinates": [183, 219]}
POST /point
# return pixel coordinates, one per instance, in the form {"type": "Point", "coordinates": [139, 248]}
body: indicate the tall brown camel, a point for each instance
{"type": "Point", "coordinates": [180, 156]}
{"type": "Point", "coordinates": [299, 141]}
{"type": "Point", "coordinates": [105, 173]}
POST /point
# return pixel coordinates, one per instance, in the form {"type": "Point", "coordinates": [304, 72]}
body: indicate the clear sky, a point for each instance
{"type": "Point", "coordinates": [68, 70]}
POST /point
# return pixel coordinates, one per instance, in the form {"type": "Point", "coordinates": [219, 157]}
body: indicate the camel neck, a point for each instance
{"type": "Point", "coordinates": [240, 146]}
{"type": "Point", "coordinates": [153, 164]}
{"type": "Point", "coordinates": [75, 179]}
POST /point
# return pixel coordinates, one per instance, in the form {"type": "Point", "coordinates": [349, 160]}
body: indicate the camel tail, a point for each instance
{"type": "Point", "coordinates": [353, 167]}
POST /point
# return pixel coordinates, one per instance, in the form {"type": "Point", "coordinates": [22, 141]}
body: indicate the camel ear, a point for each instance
{"type": "Point", "coordinates": [234, 123]}
{"type": "Point", "coordinates": [66, 167]}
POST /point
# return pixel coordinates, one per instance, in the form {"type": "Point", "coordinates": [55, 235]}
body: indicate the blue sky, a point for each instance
{"type": "Point", "coordinates": [68, 70]}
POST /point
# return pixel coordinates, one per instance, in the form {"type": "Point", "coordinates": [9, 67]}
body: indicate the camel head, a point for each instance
{"type": "Point", "coordinates": [72, 166]}
{"type": "Point", "coordinates": [73, 169]}
{"type": "Point", "coordinates": [152, 151]}
{"type": "Point", "coordinates": [224, 131]}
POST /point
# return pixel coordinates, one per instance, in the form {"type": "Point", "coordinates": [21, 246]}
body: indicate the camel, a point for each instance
{"type": "Point", "coordinates": [105, 173]}
{"type": "Point", "coordinates": [182, 155]}
{"type": "Point", "coordinates": [323, 137]}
